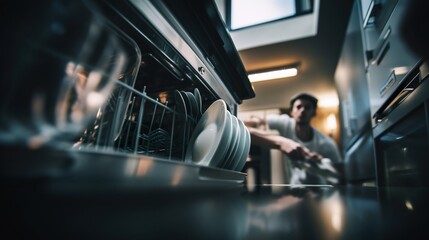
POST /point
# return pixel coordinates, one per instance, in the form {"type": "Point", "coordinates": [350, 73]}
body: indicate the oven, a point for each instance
{"type": "Point", "coordinates": [121, 93]}
{"type": "Point", "coordinates": [402, 134]}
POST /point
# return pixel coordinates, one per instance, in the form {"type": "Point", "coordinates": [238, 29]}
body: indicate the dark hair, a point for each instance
{"type": "Point", "coordinates": [306, 96]}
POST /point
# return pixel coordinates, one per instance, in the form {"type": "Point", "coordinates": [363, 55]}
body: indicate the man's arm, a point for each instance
{"type": "Point", "coordinates": [288, 146]}
{"type": "Point", "coordinates": [254, 122]}
{"type": "Point", "coordinates": [322, 167]}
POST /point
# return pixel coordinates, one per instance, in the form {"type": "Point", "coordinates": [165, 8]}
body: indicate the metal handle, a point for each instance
{"type": "Point", "coordinates": [399, 98]}
{"type": "Point", "coordinates": [381, 51]}
{"type": "Point", "coordinates": [372, 11]}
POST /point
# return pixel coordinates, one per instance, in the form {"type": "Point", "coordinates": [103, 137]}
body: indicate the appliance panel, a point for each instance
{"type": "Point", "coordinates": [374, 15]}
{"type": "Point", "coordinates": [351, 83]}
{"type": "Point", "coordinates": [360, 160]}
{"type": "Point", "coordinates": [403, 151]}
{"type": "Point", "coordinates": [392, 61]}
{"type": "Point", "coordinates": [217, 46]}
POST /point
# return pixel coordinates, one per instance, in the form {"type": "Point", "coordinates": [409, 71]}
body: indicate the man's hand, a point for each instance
{"type": "Point", "coordinates": [295, 150]}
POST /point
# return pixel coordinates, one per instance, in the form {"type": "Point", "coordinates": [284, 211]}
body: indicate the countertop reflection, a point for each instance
{"type": "Point", "coordinates": [36, 211]}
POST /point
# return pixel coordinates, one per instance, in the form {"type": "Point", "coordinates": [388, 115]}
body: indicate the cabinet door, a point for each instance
{"type": "Point", "coordinates": [360, 160]}
{"type": "Point", "coordinates": [373, 15]}
{"type": "Point", "coordinates": [350, 79]}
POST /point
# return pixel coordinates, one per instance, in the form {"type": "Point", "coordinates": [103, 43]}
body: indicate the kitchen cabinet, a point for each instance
{"type": "Point", "coordinates": [352, 88]}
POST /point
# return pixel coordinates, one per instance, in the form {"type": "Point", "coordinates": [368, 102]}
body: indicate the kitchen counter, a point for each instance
{"type": "Point", "coordinates": [38, 209]}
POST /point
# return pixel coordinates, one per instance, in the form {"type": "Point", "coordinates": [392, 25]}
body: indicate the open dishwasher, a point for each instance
{"type": "Point", "coordinates": [122, 93]}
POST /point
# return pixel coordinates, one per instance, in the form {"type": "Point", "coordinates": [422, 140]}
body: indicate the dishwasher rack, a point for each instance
{"type": "Point", "coordinates": [135, 122]}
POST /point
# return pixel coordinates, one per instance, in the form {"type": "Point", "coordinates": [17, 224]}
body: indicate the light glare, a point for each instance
{"type": "Point", "coordinates": [289, 72]}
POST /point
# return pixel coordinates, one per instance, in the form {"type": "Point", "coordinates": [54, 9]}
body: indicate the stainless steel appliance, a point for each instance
{"type": "Point", "coordinates": [352, 88]}
{"type": "Point", "coordinates": [381, 85]}
{"type": "Point", "coordinates": [112, 90]}
{"type": "Point", "coordinates": [390, 63]}
{"type": "Point", "coordinates": [402, 136]}
{"type": "Point", "coordinates": [373, 16]}
{"type": "Point", "coordinates": [398, 102]}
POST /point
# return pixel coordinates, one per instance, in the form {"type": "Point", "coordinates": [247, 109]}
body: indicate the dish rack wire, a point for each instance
{"type": "Point", "coordinates": [135, 122]}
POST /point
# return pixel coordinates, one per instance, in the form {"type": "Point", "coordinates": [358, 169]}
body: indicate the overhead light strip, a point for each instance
{"type": "Point", "coordinates": [275, 74]}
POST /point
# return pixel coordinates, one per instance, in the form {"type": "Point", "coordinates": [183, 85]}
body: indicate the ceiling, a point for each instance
{"type": "Point", "coordinates": [317, 57]}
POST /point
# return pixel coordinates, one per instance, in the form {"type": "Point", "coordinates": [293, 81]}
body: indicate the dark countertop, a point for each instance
{"type": "Point", "coordinates": [39, 210]}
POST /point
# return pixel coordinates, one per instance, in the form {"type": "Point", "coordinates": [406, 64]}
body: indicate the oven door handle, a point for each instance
{"type": "Point", "coordinates": [398, 99]}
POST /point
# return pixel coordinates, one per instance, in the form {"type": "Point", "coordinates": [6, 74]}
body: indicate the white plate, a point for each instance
{"type": "Point", "coordinates": [211, 137]}
{"type": "Point", "coordinates": [241, 160]}
{"type": "Point", "coordinates": [233, 143]}
{"type": "Point", "coordinates": [181, 109]}
{"type": "Point", "coordinates": [193, 103]}
{"type": "Point", "coordinates": [180, 103]}
{"type": "Point", "coordinates": [199, 101]}
{"type": "Point", "coordinates": [187, 102]}
{"type": "Point", "coordinates": [226, 148]}
{"type": "Point", "coordinates": [240, 147]}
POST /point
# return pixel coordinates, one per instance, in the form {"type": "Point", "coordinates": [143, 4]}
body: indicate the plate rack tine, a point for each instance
{"type": "Point", "coordinates": [139, 120]}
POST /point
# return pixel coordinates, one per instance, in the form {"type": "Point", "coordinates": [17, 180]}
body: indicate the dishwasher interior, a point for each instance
{"type": "Point", "coordinates": [124, 92]}
{"type": "Point", "coordinates": [144, 117]}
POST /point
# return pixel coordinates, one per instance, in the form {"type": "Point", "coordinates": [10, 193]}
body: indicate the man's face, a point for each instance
{"type": "Point", "coordinates": [303, 111]}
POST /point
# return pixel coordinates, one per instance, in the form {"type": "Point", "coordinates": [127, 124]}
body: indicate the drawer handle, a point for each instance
{"type": "Point", "coordinates": [385, 45]}
{"type": "Point", "coordinates": [371, 13]}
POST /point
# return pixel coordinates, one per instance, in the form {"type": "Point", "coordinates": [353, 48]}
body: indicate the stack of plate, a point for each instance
{"type": "Point", "coordinates": [219, 140]}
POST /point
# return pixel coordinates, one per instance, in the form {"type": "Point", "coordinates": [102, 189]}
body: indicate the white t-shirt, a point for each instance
{"type": "Point", "coordinates": [320, 143]}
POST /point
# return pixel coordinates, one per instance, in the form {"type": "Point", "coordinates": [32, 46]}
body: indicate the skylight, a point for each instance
{"type": "Point", "coordinates": [254, 30]}
{"type": "Point", "coordinates": [247, 13]}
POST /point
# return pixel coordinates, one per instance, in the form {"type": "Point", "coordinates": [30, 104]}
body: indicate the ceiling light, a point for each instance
{"type": "Point", "coordinates": [274, 74]}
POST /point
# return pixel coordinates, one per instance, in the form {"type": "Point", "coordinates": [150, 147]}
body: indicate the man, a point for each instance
{"type": "Point", "coordinates": [306, 149]}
